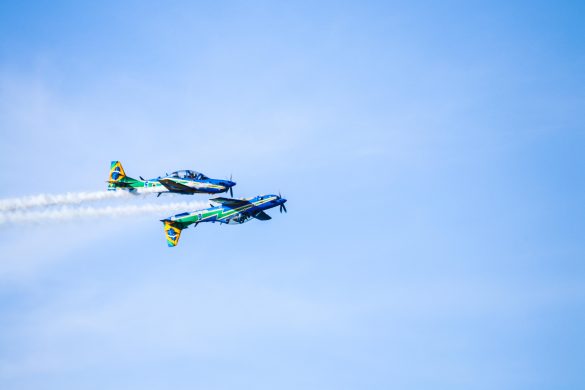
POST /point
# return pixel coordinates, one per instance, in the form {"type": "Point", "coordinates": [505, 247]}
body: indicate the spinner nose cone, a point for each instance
{"type": "Point", "coordinates": [279, 199]}
{"type": "Point", "coordinates": [227, 185]}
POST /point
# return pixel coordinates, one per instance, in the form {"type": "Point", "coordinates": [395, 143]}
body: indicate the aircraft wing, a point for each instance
{"type": "Point", "coordinates": [261, 215]}
{"type": "Point", "coordinates": [173, 186]}
{"type": "Point", "coordinates": [231, 203]}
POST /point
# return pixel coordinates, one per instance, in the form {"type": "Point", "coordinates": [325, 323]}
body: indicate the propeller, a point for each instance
{"type": "Point", "coordinates": [141, 178]}
{"type": "Point", "coordinates": [231, 188]}
{"type": "Point", "coordinates": [282, 206]}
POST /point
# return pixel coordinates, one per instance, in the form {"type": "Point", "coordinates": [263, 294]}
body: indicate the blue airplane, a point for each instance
{"type": "Point", "coordinates": [180, 182]}
{"type": "Point", "coordinates": [229, 211]}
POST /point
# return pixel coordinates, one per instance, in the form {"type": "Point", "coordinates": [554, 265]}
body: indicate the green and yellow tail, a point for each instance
{"type": "Point", "coordinates": [118, 178]}
{"type": "Point", "coordinates": [116, 174]}
{"type": "Point", "coordinates": [172, 231]}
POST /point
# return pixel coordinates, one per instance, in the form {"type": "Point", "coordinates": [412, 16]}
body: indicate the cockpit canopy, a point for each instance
{"type": "Point", "coordinates": [188, 174]}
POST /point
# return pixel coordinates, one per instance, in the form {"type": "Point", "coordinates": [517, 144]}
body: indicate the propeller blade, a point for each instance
{"type": "Point", "coordinates": [284, 207]}
{"type": "Point", "coordinates": [141, 178]}
{"type": "Point", "coordinates": [231, 192]}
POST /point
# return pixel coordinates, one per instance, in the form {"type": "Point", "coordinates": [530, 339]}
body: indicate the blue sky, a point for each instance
{"type": "Point", "coordinates": [431, 153]}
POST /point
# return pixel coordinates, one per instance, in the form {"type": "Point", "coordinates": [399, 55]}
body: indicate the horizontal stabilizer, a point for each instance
{"type": "Point", "coordinates": [118, 184]}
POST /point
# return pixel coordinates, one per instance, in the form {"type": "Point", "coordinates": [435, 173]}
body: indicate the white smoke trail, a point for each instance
{"type": "Point", "coordinates": [68, 213]}
{"type": "Point", "coordinates": [43, 200]}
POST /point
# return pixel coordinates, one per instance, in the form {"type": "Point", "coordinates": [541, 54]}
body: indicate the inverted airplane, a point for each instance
{"type": "Point", "coordinates": [229, 211]}
{"type": "Point", "coordinates": [180, 182]}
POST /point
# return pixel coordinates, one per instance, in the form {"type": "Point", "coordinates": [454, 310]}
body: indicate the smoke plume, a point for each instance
{"type": "Point", "coordinates": [69, 213]}
{"type": "Point", "coordinates": [69, 198]}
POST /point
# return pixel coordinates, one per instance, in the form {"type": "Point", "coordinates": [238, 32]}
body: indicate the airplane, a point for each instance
{"type": "Point", "coordinates": [229, 211]}
{"type": "Point", "coordinates": [180, 182]}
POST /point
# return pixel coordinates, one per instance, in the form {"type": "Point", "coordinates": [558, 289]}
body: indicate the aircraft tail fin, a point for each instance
{"type": "Point", "coordinates": [118, 178]}
{"type": "Point", "coordinates": [116, 174]}
{"type": "Point", "coordinates": [172, 232]}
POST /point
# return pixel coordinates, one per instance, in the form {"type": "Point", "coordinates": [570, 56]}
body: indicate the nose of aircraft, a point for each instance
{"type": "Point", "coordinates": [228, 184]}
{"type": "Point", "coordinates": [281, 201]}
